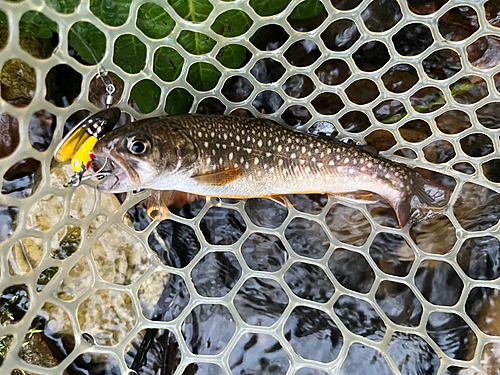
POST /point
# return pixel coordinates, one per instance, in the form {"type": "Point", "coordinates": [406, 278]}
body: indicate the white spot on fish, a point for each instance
{"type": "Point", "coordinates": [238, 138]}
{"type": "Point", "coordinates": [259, 143]}
{"type": "Point", "coordinates": [303, 149]}
{"type": "Point", "coordinates": [259, 173]}
{"type": "Point", "coordinates": [351, 170]}
{"type": "Point", "coordinates": [242, 160]}
{"type": "Point", "coordinates": [302, 162]}
{"type": "Point", "coordinates": [200, 134]}
{"type": "Point", "coordinates": [256, 161]}
{"type": "Point", "coordinates": [221, 161]}
{"type": "Point", "coordinates": [213, 151]}
{"type": "Point", "coordinates": [269, 143]}
{"type": "Point", "coordinates": [206, 144]}
{"type": "Point", "coordinates": [247, 165]}
{"type": "Point", "coordinates": [369, 165]}
{"type": "Point", "coordinates": [329, 151]}
{"type": "Point", "coordinates": [308, 169]}
{"type": "Point", "coordinates": [346, 160]}
{"type": "Point", "coordinates": [363, 169]}
{"type": "Point", "coordinates": [387, 176]}
{"type": "Point", "coordinates": [331, 162]}
{"type": "Point", "coordinates": [279, 148]}
{"type": "Point", "coordinates": [249, 150]}
{"type": "Point", "coordinates": [268, 154]}
{"type": "Point", "coordinates": [225, 136]}
{"type": "Point", "coordinates": [280, 162]}
{"type": "Point", "coordinates": [265, 166]}
{"type": "Point", "coordinates": [293, 156]}
{"type": "Point", "coordinates": [231, 155]}
{"type": "Point", "coordinates": [217, 145]}
{"type": "Point", "coordinates": [320, 165]}
{"type": "Point", "coordinates": [271, 169]}
{"type": "Point", "coordinates": [212, 134]}
{"type": "Point", "coordinates": [209, 161]}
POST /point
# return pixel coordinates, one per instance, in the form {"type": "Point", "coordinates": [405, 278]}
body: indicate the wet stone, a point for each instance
{"type": "Point", "coordinates": [362, 359]}
{"type": "Point", "coordinates": [399, 303]}
{"type": "Point", "coordinates": [413, 39]}
{"type": "Point", "coordinates": [45, 213]}
{"type": "Point", "coordinates": [439, 152]}
{"type": "Point", "coordinates": [415, 131]}
{"type": "Point", "coordinates": [257, 353]}
{"type": "Point", "coordinates": [488, 115]}
{"type": "Point", "coordinates": [222, 226]}
{"type": "Point", "coordinates": [163, 296]}
{"type": "Point", "coordinates": [267, 102]}
{"type": "Point", "coordinates": [298, 86]}
{"type": "Point", "coordinates": [97, 363]}
{"type": "Point", "coordinates": [483, 52]}
{"type": "Point", "coordinates": [389, 111]}
{"type": "Point", "coordinates": [400, 78]}
{"type": "Point", "coordinates": [41, 129]}
{"type": "Point", "coordinates": [435, 236]}
{"type": "Point", "coordinates": [360, 317]}
{"type": "Point", "coordinates": [153, 351]}
{"type": "Point", "coordinates": [211, 106]}
{"type": "Point", "coordinates": [348, 224]}
{"type": "Point", "coordinates": [76, 282]}
{"type": "Point", "coordinates": [458, 23]}
{"type": "Point", "coordinates": [269, 37]}
{"type": "Point", "coordinates": [413, 355]}
{"type": "Point", "coordinates": [345, 5]}
{"type": "Point", "coordinates": [104, 306]}
{"type": "Point", "coordinates": [381, 15]}
{"type": "Point", "coordinates": [490, 357]}
{"type": "Point", "coordinates": [333, 72]}
{"type": "Point", "coordinates": [351, 270]}
{"type": "Point", "coordinates": [175, 244]}
{"type": "Point", "coordinates": [355, 121]}
{"type": "Point", "coordinates": [381, 139]}
{"type": "Point", "coordinates": [438, 282]}
{"type": "Point", "coordinates": [237, 89]}
{"type": "Point", "coordinates": [328, 103]}
{"type": "Point", "coordinates": [453, 122]}
{"type": "Point", "coordinates": [362, 91]}
{"type": "Point", "coordinates": [478, 209]}
{"type": "Point", "coordinates": [307, 238]}
{"type": "Point", "coordinates": [309, 203]}
{"type": "Point", "coordinates": [428, 99]}
{"type": "Point", "coordinates": [216, 274]}
{"type": "Point", "coordinates": [477, 145]}
{"type": "Point", "coordinates": [265, 212]}
{"type": "Point", "coordinates": [450, 332]}
{"type": "Point", "coordinates": [296, 115]}
{"type": "Point", "coordinates": [260, 301]}
{"type": "Point", "coordinates": [490, 169]}
{"type": "Point", "coordinates": [264, 252]}
{"type": "Point", "coordinates": [310, 371]}
{"type": "Point", "coordinates": [310, 282]}
{"type": "Point", "coordinates": [340, 35]}
{"type": "Point", "coordinates": [203, 369]}
{"type": "Point", "coordinates": [425, 7]}
{"type": "Point", "coordinates": [392, 254]}
{"type": "Point", "coordinates": [371, 56]}
{"type": "Point", "coordinates": [208, 329]}
{"type": "Point", "coordinates": [18, 82]}
{"type": "Point", "coordinates": [302, 53]}
{"type": "Point", "coordinates": [25, 255]}
{"type": "Point", "coordinates": [65, 242]}
{"type": "Point", "coordinates": [482, 307]}
{"type": "Point", "coordinates": [469, 89]}
{"type": "Point", "coordinates": [9, 135]}
{"type": "Point", "coordinates": [57, 341]}
{"type": "Point", "coordinates": [63, 85]}
{"type": "Point", "coordinates": [14, 304]}
{"type": "Point", "coordinates": [469, 169]}
{"type": "Point", "coordinates": [442, 64]}
{"type": "Point", "coordinates": [267, 70]}
{"type": "Point", "coordinates": [319, 128]}
{"type": "Point", "coordinates": [313, 334]}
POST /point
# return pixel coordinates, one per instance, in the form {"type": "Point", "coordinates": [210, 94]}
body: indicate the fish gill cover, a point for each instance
{"type": "Point", "coordinates": [91, 285]}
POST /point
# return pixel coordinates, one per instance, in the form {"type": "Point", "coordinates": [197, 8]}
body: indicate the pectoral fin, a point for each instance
{"type": "Point", "coordinates": [360, 196]}
{"type": "Point", "coordinates": [219, 178]}
{"type": "Point", "coordinates": [158, 204]}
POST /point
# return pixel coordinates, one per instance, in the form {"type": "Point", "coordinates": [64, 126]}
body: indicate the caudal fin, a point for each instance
{"type": "Point", "coordinates": [426, 199]}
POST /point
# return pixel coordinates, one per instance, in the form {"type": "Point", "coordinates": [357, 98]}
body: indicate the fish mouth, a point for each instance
{"type": "Point", "coordinates": [117, 178]}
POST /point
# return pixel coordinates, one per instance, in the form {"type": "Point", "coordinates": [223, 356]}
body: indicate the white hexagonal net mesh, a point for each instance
{"type": "Point", "coordinates": [91, 286]}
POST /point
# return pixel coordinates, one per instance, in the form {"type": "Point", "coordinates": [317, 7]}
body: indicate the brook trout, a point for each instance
{"type": "Point", "coordinates": [225, 156]}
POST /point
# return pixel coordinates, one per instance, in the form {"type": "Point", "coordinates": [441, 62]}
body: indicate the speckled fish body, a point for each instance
{"type": "Point", "coordinates": [227, 156]}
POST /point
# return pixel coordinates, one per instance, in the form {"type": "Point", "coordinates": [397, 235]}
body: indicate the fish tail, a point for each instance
{"type": "Point", "coordinates": [427, 199]}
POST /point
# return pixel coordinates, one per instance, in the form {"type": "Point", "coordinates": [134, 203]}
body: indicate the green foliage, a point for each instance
{"type": "Point", "coordinates": [88, 41]}
{"type": "Point", "coordinates": [111, 12]}
{"type": "Point", "coordinates": [268, 7]}
{"type": "Point", "coordinates": [146, 94]}
{"type": "Point", "coordinates": [179, 102]}
{"type": "Point", "coordinates": [232, 23]}
{"type": "Point", "coordinates": [203, 76]}
{"type": "Point", "coordinates": [232, 56]}
{"type": "Point", "coordinates": [38, 24]}
{"type": "Point", "coordinates": [195, 43]}
{"type": "Point", "coordinates": [192, 10]}
{"type": "Point", "coordinates": [154, 21]}
{"type": "Point", "coordinates": [167, 64]}
{"type": "Point", "coordinates": [307, 9]}
{"type": "Point", "coordinates": [3, 19]}
{"type": "Point", "coordinates": [129, 53]}
{"type": "Point", "coordinates": [63, 6]}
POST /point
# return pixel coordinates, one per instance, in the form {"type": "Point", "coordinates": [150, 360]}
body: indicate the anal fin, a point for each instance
{"type": "Point", "coordinates": [282, 199]}
{"type": "Point", "coordinates": [360, 196]}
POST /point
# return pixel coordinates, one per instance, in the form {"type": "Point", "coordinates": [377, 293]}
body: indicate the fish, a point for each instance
{"type": "Point", "coordinates": [235, 157]}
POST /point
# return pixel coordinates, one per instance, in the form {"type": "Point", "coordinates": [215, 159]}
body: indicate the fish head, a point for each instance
{"type": "Point", "coordinates": [141, 153]}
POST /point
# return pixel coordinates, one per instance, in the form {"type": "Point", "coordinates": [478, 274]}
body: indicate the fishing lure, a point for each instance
{"type": "Point", "coordinates": [80, 141]}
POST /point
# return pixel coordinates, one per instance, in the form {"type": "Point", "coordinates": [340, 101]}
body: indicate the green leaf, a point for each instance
{"type": "Point", "coordinates": [179, 102]}
{"type": "Point", "coordinates": [63, 6]}
{"type": "Point", "coordinates": [129, 53]}
{"type": "Point", "coordinates": [307, 9]}
{"type": "Point", "coordinates": [167, 64]}
{"type": "Point", "coordinates": [232, 23]}
{"type": "Point", "coordinates": [111, 12]}
{"type": "Point", "coordinates": [232, 56]}
{"type": "Point", "coordinates": [38, 24]}
{"type": "Point", "coordinates": [203, 76]}
{"type": "Point", "coordinates": [3, 19]}
{"type": "Point", "coordinates": [268, 7]}
{"type": "Point", "coordinates": [192, 10]}
{"type": "Point", "coordinates": [146, 94]}
{"type": "Point", "coordinates": [154, 21]}
{"type": "Point", "coordinates": [88, 41]}
{"type": "Point", "coordinates": [195, 43]}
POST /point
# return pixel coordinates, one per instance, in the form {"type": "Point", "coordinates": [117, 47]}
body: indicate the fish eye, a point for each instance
{"type": "Point", "coordinates": [138, 146]}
